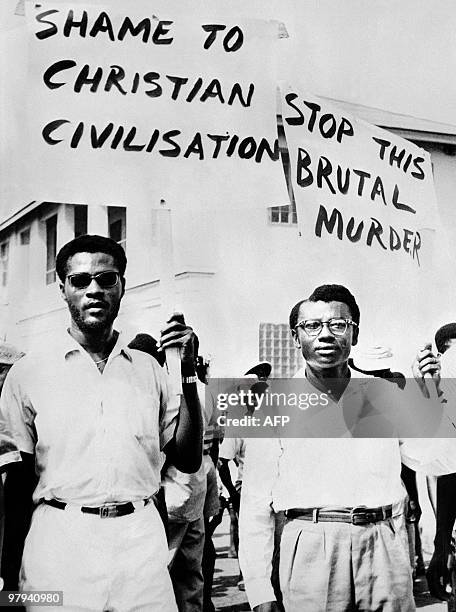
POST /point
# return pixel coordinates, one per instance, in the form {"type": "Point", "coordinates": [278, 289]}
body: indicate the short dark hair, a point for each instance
{"type": "Point", "coordinates": [328, 293]}
{"type": "Point", "coordinates": [90, 243]}
{"type": "Point", "coordinates": [443, 334]}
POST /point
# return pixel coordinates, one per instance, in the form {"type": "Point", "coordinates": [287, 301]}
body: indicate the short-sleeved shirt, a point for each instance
{"type": "Point", "coordinates": [185, 493]}
{"type": "Point", "coordinates": [234, 449]}
{"type": "Point", "coordinates": [96, 436]}
{"type": "Point", "coordinates": [9, 452]}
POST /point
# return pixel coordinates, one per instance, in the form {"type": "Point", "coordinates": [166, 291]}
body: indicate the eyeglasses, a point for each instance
{"type": "Point", "coordinates": [338, 327]}
{"type": "Point", "coordinates": [105, 280]}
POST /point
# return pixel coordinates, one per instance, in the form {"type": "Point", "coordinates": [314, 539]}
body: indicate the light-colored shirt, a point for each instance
{"type": "Point", "coordinates": [185, 493]}
{"type": "Point", "coordinates": [96, 436]}
{"type": "Point", "coordinates": [280, 474]}
{"type": "Point", "coordinates": [9, 452]}
{"type": "Point", "coordinates": [233, 449]}
{"type": "Point", "coordinates": [213, 430]}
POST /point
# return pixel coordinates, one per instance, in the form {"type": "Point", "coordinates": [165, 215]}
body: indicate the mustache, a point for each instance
{"type": "Point", "coordinates": [96, 304]}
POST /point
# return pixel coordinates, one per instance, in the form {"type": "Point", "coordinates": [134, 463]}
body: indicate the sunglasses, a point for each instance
{"type": "Point", "coordinates": [105, 280]}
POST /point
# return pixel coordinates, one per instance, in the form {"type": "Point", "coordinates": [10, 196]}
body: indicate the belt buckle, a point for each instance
{"type": "Point", "coordinates": [108, 511]}
{"type": "Point", "coordinates": [359, 519]}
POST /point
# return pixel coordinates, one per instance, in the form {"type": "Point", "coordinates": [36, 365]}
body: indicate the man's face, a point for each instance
{"type": "Point", "coordinates": [325, 350]}
{"type": "Point", "coordinates": [92, 308]}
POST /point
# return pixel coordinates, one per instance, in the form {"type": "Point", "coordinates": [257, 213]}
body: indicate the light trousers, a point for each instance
{"type": "Point", "coordinates": [114, 564]}
{"type": "Point", "coordinates": [337, 567]}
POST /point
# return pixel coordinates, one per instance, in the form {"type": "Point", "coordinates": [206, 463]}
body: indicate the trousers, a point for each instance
{"type": "Point", "coordinates": [101, 565]}
{"type": "Point", "coordinates": [337, 567]}
{"type": "Point", "coordinates": [186, 544]}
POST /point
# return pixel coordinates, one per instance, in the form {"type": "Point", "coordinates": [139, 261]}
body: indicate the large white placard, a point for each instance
{"type": "Point", "coordinates": [133, 100]}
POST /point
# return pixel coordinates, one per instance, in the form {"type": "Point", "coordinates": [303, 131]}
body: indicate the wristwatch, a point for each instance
{"type": "Point", "coordinates": [186, 380]}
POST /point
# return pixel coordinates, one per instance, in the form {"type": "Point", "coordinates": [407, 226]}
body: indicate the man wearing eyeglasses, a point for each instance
{"type": "Point", "coordinates": [343, 546]}
{"type": "Point", "coordinates": [96, 414]}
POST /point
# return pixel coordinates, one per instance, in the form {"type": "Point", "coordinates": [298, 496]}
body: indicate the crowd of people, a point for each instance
{"type": "Point", "coordinates": [110, 487]}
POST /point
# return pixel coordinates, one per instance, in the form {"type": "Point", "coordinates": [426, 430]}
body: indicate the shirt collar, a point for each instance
{"type": "Point", "coordinates": [68, 345]}
{"type": "Point", "coordinates": [354, 384]}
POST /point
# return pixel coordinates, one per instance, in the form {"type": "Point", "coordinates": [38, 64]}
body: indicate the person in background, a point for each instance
{"type": "Point", "coordinates": [445, 337]}
{"type": "Point", "coordinates": [233, 449]}
{"type": "Point", "coordinates": [192, 499]}
{"type": "Point", "coordinates": [12, 530]}
{"type": "Point", "coordinates": [441, 569]}
{"type": "Point", "coordinates": [213, 436]}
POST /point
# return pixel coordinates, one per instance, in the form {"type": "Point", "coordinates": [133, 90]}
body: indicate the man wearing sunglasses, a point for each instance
{"type": "Point", "coordinates": [343, 546]}
{"type": "Point", "coordinates": [95, 414]}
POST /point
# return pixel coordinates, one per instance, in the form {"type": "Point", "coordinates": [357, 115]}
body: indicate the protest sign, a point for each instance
{"type": "Point", "coordinates": [356, 183]}
{"type": "Point", "coordinates": [367, 211]}
{"type": "Point", "coordinates": [123, 99]}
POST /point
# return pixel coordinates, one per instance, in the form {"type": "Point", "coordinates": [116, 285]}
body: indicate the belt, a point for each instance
{"type": "Point", "coordinates": [359, 515]}
{"type": "Point", "coordinates": [105, 511]}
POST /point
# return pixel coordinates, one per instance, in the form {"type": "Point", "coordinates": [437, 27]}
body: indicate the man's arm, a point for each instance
{"type": "Point", "coordinates": [225, 477]}
{"type": "Point", "coordinates": [256, 522]}
{"type": "Point", "coordinates": [184, 450]}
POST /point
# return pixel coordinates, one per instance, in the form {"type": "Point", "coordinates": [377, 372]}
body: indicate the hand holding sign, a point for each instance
{"type": "Point", "coordinates": [426, 367]}
{"type": "Point", "coordinates": [176, 334]}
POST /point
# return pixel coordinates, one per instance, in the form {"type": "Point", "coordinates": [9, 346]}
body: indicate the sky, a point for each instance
{"type": "Point", "coordinates": [398, 56]}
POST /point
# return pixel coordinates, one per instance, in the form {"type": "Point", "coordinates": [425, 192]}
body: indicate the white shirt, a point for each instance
{"type": "Point", "coordinates": [233, 449]}
{"type": "Point", "coordinates": [96, 436]}
{"type": "Point", "coordinates": [280, 474]}
{"type": "Point", "coordinates": [9, 452]}
{"type": "Point", "coordinates": [185, 493]}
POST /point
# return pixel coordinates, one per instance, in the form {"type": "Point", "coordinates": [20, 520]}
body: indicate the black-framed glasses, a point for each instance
{"type": "Point", "coordinates": [337, 326]}
{"type": "Point", "coordinates": [105, 280]}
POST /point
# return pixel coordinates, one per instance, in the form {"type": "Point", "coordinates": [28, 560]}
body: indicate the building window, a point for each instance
{"type": "Point", "coordinates": [276, 346]}
{"type": "Point", "coordinates": [24, 237]}
{"type": "Point", "coordinates": [80, 220]}
{"type": "Point", "coordinates": [51, 248]}
{"type": "Point", "coordinates": [285, 215]}
{"type": "Point", "coordinates": [4, 252]}
{"type": "Point", "coordinates": [117, 224]}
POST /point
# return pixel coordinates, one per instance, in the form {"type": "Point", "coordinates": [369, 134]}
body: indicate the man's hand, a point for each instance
{"type": "Point", "coordinates": [438, 574]}
{"type": "Point", "coordinates": [426, 363]}
{"type": "Point", "coordinates": [270, 606]}
{"type": "Point", "coordinates": [177, 334]}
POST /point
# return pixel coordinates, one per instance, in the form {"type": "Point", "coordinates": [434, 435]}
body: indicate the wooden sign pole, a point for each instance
{"type": "Point", "coordinates": [168, 289]}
